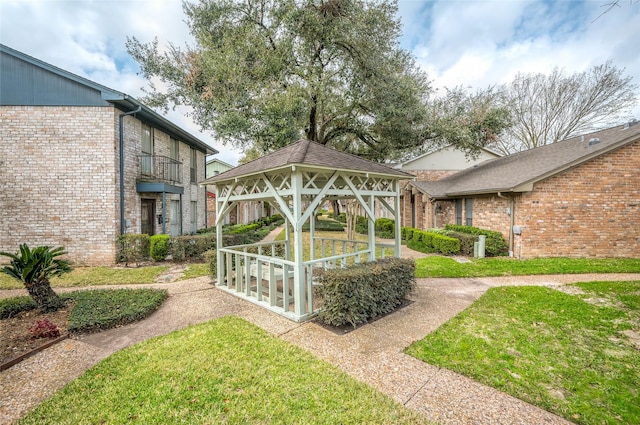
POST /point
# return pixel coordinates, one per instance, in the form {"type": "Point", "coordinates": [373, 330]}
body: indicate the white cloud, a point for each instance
{"type": "Point", "coordinates": [467, 43]}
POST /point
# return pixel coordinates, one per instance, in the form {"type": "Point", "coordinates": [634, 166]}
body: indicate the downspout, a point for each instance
{"type": "Point", "coordinates": [512, 214]}
{"type": "Point", "coordinates": [122, 227]}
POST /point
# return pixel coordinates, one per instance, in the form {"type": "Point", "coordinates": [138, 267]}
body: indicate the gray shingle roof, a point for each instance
{"type": "Point", "coordinates": [517, 172]}
{"type": "Point", "coordinates": [307, 153]}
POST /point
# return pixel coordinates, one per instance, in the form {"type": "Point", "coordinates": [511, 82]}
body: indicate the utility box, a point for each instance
{"type": "Point", "coordinates": [517, 230]}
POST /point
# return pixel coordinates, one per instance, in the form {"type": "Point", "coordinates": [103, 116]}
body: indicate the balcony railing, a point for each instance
{"type": "Point", "coordinates": [160, 168]}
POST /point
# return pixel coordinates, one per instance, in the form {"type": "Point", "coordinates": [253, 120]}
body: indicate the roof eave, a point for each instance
{"type": "Point", "coordinates": [220, 178]}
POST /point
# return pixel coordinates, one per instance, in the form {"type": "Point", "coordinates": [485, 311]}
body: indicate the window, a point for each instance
{"type": "Point", "coordinates": [174, 218]}
{"type": "Point", "coordinates": [459, 211]}
{"type": "Point", "coordinates": [173, 166]}
{"type": "Point", "coordinates": [194, 165]}
{"type": "Point", "coordinates": [194, 216]}
{"type": "Point", "coordinates": [146, 161]}
{"type": "Point", "coordinates": [468, 211]}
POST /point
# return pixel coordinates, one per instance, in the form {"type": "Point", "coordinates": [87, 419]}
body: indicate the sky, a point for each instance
{"type": "Point", "coordinates": [473, 44]}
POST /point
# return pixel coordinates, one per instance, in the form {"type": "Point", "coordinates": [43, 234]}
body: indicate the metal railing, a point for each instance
{"type": "Point", "coordinates": [160, 168]}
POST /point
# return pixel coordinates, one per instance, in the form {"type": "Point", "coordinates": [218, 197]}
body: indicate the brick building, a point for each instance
{"type": "Point", "coordinates": [432, 166]}
{"type": "Point", "coordinates": [575, 198]}
{"type": "Point", "coordinates": [64, 179]}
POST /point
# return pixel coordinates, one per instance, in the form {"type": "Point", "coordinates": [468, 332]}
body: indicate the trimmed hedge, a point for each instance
{"type": "Point", "coordinates": [385, 228]}
{"type": "Point", "coordinates": [362, 292]}
{"type": "Point", "coordinates": [133, 248]}
{"type": "Point", "coordinates": [325, 226]}
{"type": "Point", "coordinates": [193, 247]}
{"type": "Point", "coordinates": [466, 242]}
{"type": "Point", "coordinates": [159, 247]}
{"type": "Point", "coordinates": [495, 244]}
{"type": "Point", "coordinates": [429, 242]}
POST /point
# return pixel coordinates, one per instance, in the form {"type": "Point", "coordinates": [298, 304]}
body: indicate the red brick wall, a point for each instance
{"type": "Point", "coordinates": [589, 211]}
{"type": "Point", "coordinates": [592, 210]}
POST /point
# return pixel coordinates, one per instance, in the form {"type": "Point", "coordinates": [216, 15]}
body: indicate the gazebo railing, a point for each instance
{"type": "Point", "coordinates": [259, 273]}
{"type": "Point", "coordinates": [263, 273]}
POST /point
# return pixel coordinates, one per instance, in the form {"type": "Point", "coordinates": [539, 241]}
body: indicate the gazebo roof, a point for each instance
{"type": "Point", "coordinates": [310, 154]}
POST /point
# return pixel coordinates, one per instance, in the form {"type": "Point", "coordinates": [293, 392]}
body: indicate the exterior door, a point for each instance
{"type": "Point", "coordinates": [148, 213]}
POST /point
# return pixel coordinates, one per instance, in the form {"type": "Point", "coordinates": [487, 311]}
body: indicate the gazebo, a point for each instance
{"type": "Point", "coordinates": [297, 180]}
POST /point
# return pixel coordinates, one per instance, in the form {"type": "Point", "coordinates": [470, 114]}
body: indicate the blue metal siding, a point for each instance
{"type": "Point", "coordinates": [24, 84]}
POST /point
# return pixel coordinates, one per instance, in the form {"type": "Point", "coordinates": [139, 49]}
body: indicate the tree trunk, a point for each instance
{"type": "Point", "coordinates": [44, 297]}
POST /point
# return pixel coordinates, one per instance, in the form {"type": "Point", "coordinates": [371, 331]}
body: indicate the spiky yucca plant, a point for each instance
{"type": "Point", "coordinates": [34, 268]}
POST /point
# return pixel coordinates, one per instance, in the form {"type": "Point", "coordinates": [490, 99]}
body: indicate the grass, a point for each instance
{"type": "Point", "coordinates": [437, 266]}
{"type": "Point", "coordinates": [196, 270]}
{"type": "Point", "coordinates": [549, 348]}
{"type": "Point", "coordinates": [87, 276]}
{"type": "Point", "coordinates": [224, 371]}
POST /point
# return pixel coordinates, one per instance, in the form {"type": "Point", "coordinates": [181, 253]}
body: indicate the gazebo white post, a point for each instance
{"type": "Point", "coordinates": [396, 205]}
{"type": "Point", "coordinates": [219, 220]}
{"type": "Point", "coordinates": [372, 229]}
{"type": "Point", "coordinates": [312, 235]}
{"type": "Point", "coordinates": [298, 270]}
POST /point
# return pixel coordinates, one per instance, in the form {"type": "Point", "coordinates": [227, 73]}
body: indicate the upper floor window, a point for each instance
{"type": "Point", "coordinates": [147, 150]}
{"type": "Point", "coordinates": [194, 166]}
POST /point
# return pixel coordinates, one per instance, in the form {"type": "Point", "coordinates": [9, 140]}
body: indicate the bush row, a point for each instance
{"type": "Point", "coordinates": [423, 241]}
{"type": "Point", "coordinates": [362, 292]}
{"type": "Point", "coordinates": [135, 248]}
{"type": "Point", "coordinates": [495, 244]}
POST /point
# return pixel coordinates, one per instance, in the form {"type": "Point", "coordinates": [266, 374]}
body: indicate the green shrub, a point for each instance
{"type": "Point", "coordinates": [466, 242]}
{"type": "Point", "coordinates": [406, 233]}
{"type": "Point", "coordinates": [362, 225]}
{"type": "Point", "coordinates": [133, 248]}
{"type": "Point", "coordinates": [211, 257]}
{"type": "Point", "coordinates": [362, 292]}
{"type": "Point", "coordinates": [325, 226]}
{"type": "Point", "coordinates": [385, 228]}
{"type": "Point", "coordinates": [495, 244]}
{"type": "Point", "coordinates": [445, 244]}
{"type": "Point", "coordinates": [192, 247]}
{"type": "Point", "coordinates": [107, 308]}
{"type": "Point", "coordinates": [342, 217]}
{"type": "Point", "coordinates": [429, 242]}
{"type": "Point", "coordinates": [9, 307]}
{"type": "Point", "coordinates": [159, 247]}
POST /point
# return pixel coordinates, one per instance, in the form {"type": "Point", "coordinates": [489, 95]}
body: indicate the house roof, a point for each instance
{"type": "Point", "coordinates": [309, 154]}
{"type": "Point", "coordinates": [518, 172]}
{"type": "Point", "coordinates": [218, 161]}
{"type": "Point", "coordinates": [24, 92]}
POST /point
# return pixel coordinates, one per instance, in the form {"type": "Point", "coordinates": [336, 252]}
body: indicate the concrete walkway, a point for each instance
{"type": "Point", "coordinates": [372, 353]}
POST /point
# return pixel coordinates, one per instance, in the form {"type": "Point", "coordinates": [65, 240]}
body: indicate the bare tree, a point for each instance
{"type": "Point", "coordinates": [548, 108]}
{"type": "Point", "coordinates": [610, 5]}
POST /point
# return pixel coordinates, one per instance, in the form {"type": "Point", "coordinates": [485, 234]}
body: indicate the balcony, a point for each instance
{"type": "Point", "coordinates": [159, 168]}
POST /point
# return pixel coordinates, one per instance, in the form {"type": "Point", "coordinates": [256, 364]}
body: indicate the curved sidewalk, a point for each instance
{"type": "Point", "coordinates": [372, 353]}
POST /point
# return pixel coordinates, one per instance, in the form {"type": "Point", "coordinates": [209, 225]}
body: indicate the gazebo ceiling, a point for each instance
{"type": "Point", "coordinates": [309, 155]}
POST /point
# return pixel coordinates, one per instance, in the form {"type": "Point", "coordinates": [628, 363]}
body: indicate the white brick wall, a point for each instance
{"type": "Point", "coordinates": [59, 180]}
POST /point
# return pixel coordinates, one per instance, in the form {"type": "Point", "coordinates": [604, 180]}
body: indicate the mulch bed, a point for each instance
{"type": "Point", "coordinates": [15, 338]}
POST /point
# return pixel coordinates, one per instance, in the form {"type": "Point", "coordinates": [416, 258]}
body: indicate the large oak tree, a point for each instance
{"type": "Point", "coordinates": [263, 73]}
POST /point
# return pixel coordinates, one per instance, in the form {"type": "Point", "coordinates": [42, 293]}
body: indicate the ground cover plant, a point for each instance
{"type": "Point", "coordinates": [549, 348]}
{"type": "Point", "coordinates": [437, 266]}
{"type": "Point", "coordinates": [84, 311]}
{"type": "Point", "coordinates": [210, 373]}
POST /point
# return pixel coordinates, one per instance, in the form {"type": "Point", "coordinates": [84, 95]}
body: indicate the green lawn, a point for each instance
{"type": "Point", "coordinates": [224, 371]}
{"type": "Point", "coordinates": [550, 349]}
{"type": "Point", "coordinates": [87, 276]}
{"type": "Point", "coordinates": [437, 266]}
